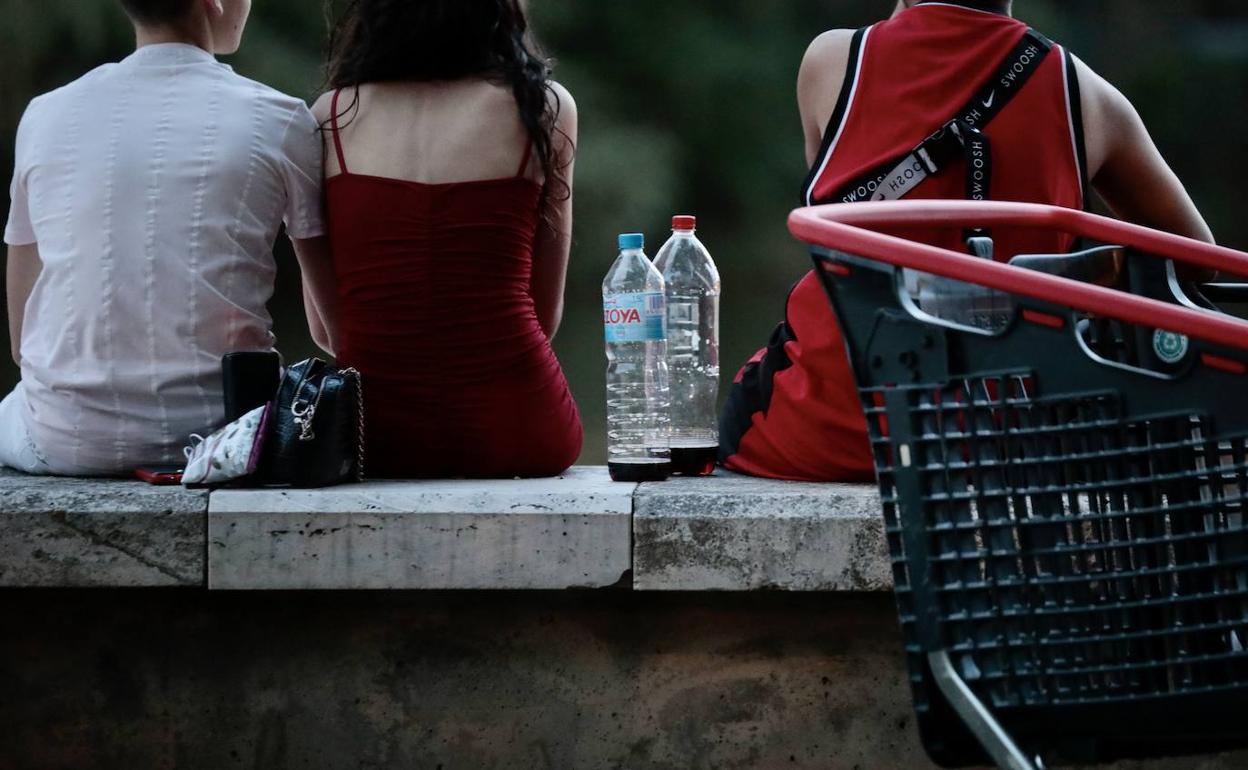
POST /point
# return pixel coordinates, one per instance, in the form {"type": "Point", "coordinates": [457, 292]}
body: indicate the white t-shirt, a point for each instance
{"type": "Point", "coordinates": [154, 188]}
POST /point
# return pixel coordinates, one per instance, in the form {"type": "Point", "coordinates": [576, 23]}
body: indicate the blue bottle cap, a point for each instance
{"type": "Point", "coordinates": [632, 241]}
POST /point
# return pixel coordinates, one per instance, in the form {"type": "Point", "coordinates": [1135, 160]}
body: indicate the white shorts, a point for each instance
{"type": "Point", "coordinates": [17, 450]}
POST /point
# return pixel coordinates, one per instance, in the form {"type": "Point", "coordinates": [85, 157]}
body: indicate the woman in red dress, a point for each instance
{"type": "Point", "coordinates": [449, 200]}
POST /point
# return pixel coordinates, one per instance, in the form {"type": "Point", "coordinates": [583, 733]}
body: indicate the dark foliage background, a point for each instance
{"type": "Point", "coordinates": [688, 106]}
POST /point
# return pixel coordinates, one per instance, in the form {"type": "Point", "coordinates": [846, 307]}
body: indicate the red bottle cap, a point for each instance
{"type": "Point", "coordinates": [684, 222]}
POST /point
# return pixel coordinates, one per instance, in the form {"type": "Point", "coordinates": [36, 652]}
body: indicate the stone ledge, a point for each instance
{"type": "Point", "coordinates": [568, 532]}
{"type": "Point", "coordinates": [58, 532]}
{"type": "Point", "coordinates": [727, 533]}
{"type": "Point", "coordinates": [736, 533]}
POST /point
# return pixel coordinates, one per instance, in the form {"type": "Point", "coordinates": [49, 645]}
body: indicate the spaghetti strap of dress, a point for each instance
{"type": "Point", "coordinates": [528, 153]}
{"type": "Point", "coordinates": [333, 127]}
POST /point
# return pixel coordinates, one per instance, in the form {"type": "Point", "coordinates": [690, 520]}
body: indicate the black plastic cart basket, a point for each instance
{"type": "Point", "coordinates": [1066, 525]}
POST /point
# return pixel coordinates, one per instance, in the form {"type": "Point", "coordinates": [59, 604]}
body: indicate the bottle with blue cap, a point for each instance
{"type": "Point", "coordinates": [634, 315]}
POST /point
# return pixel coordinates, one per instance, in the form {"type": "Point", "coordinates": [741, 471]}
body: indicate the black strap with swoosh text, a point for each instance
{"type": "Point", "coordinates": [960, 137]}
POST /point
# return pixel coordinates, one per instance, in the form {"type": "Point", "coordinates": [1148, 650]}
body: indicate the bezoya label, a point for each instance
{"type": "Point", "coordinates": [640, 317]}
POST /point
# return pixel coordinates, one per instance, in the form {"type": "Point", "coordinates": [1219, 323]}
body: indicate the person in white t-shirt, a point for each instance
{"type": "Point", "coordinates": [146, 199]}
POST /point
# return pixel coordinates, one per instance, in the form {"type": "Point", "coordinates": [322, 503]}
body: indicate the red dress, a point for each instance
{"type": "Point", "coordinates": [436, 312]}
{"type": "Point", "coordinates": [794, 412]}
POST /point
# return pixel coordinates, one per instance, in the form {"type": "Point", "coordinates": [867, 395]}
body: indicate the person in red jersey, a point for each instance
{"type": "Point", "coordinates": [449, 205]}
{"type": "Point", "coordinates": [964, 69]}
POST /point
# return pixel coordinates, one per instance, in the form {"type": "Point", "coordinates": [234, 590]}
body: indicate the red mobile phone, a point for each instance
{"type": "Point", "coordinates": [160, 475]}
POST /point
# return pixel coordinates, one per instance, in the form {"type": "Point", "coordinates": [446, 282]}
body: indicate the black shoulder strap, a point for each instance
{"type": "Point", "coordinates": [1074, 95]}
{"type": "Point", "coordinates": [962, 136]}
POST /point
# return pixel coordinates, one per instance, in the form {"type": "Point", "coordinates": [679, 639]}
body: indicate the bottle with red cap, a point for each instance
{"type": "Point", "coordinates": [691, 284]}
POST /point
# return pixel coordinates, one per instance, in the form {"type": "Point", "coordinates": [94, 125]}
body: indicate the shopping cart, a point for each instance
{"type": "Point", "coordinates": [1066, 527]}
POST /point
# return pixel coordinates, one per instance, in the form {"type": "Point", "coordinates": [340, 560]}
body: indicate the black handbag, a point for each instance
{"type": "Point", "coordinates": [316, 437]}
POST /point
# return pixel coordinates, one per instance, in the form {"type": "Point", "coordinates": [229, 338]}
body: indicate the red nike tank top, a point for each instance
{"type": "Point", "coordinates": [794, 411]}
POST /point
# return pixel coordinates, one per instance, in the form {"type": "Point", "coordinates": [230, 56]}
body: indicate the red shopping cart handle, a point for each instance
{"type": "Point", "coordinates": [851, 228]}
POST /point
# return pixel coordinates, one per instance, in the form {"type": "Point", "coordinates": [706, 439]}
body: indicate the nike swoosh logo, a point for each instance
{"type": "Point", "coordinates": [988, 102]}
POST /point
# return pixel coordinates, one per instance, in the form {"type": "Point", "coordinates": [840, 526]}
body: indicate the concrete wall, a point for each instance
{"type": "Point", "coordinates": [476, 680]}
{"type": "Point", "coordinates": [451, 680]}
{"type": "Point", "coordinates": [703, 624]}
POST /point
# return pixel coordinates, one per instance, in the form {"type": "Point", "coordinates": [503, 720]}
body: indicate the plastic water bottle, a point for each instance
{"type": "Point", "coordinates": [692, 287]}
{"type": "Point", "coordinates": [635, 318]}
{"type": "Point", "coordinates": [964, 303]}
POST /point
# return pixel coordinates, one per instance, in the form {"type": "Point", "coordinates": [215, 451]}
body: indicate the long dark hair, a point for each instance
{"type": "Point", "coordinates": [376, 41]}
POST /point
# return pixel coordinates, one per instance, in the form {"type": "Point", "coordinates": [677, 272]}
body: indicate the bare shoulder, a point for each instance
{"type": "Point", "coordinates": [829, 47]}
{"type": "Point", "coordinates": [821, 77]}
{"type": "Point", "coordinates": [1105, 107]}
{"type": "Point", "coordinates": [349, 100]}
{"type": "Point", "coordinates": [826, 57]}
{"type": "Point", "coordinates": [564, 107]}
{"type": "Point", "coordinates": [320, 108]}
{"type": "Point", "coordinates": [1110, 121]}
{"type": "Point", "coordinates": [563, 104]}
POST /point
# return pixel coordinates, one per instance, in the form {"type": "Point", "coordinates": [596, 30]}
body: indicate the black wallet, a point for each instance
{"type": "Point", "coordinates": [250, 380]}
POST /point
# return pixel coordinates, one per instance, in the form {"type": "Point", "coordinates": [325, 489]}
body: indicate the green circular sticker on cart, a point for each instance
{"type": "Point", "coordinates": [1169, 346]}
